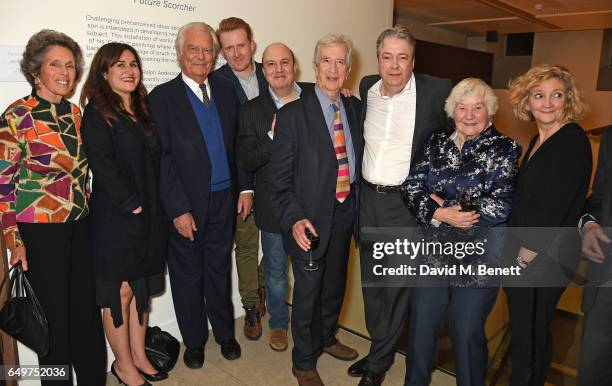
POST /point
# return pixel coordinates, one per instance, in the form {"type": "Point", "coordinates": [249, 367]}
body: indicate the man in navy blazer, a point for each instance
{"type": "Point", "coordinates": [316, 154]}
{"type": "Point", "coordinates": [238, 47]}
{"type": "Point", "coordinates": [196, 116]}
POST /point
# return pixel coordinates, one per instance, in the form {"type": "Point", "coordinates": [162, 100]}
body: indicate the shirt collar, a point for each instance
{"type": "Point", "coordinates": [277, 101]}
{"type": "Point", "coordinates": [323, 98]}
{"type": "Point", "coordinates": [194, 86]}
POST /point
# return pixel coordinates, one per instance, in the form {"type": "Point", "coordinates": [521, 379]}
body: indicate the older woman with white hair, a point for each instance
{"type": "Point", "coordinates": [474, 158]}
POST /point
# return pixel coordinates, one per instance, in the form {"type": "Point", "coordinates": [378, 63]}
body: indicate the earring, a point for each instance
{"type": "Point", "coordinates": [36, 80]}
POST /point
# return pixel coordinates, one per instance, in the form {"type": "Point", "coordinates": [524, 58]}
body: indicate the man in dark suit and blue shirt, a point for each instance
{"type": "Point", "coordinates": [238, 47]}
{"type": "Point", "coordinates": [314, 166]}
{"type": "Point", "coordinates": [196, 115]}
{"type": "Point", "coordinates": [595, 366]}
{"type": "Point", "coordinates": [400, 111]}
{"type": "Point", "coordinates": [257, 121]}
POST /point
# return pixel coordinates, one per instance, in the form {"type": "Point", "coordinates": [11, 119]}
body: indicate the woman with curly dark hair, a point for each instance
{"type": "Point", "coordinates": [43, 204]}
{"type": "Point", "coordinates": [129, 232]}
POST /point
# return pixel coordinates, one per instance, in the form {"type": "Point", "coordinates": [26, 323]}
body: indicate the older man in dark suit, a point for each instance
{"type": "Point", "coordinates": [400, 111]}
{"type": "Point", "coordinates": [314, 167]}
{"type": "Point", "coordinates": [196, 115]}
{"type": "Point", "coordinates": [595, 367]}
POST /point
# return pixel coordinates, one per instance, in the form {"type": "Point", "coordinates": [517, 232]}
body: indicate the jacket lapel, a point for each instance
{"type": "Point", "coordinates": [422, 98]}
{"type": "Point", "coordinates": [315, 121]}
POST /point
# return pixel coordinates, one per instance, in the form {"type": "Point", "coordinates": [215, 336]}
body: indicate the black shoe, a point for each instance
{"type": "Point", "coordinates": [358, 368]}
{"type": "Point", "coordinates": [158, 376]}
{"type": "Point", "coordinates": [114, 372]}
{"type": "Point", "coordinates": [230, 350]}
{"type": "Point", "coordinates": [372, 379]}
{"type": "Point", "coordinates": [194, 357]}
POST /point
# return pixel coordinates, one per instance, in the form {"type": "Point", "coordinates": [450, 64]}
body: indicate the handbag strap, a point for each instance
{"type": "Point", "coordinates": [29, 292]}
{"type": "Point", "coordinates": [12, 278]}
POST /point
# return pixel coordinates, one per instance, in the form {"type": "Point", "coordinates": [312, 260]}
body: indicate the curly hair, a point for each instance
{"type": "Point", "coordinates": [37, 47]}
{"type": "Point", "coordinates": [96, 89]}
{"type": "Point", "coordinates": [520, 88]}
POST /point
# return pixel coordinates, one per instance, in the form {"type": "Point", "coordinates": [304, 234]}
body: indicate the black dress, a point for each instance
{"type": "Point", "coordinates": [126, 246]}
{"type": "Point", "coordinates": [548, 200]}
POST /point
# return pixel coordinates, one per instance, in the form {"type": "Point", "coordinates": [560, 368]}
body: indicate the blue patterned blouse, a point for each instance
{"type": "Point", "coordinates": [487, 164]}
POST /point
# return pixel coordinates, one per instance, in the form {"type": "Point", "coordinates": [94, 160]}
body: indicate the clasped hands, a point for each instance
{"type": "Point", "coordinates": [452, 215]}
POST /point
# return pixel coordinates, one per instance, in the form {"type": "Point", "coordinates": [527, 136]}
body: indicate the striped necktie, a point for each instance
{"type": "Point", "coordinates": [205, 98]}
{"type": "Point", "coordinates": [343, 182]}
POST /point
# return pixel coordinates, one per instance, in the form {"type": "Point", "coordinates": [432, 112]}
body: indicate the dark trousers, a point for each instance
{"type": "Point", "coordinates": [200, 274]}
{"type": "Point", "coordinates": [531, 310]}
{"type": "Point", "coordinates": [469, 309]}
{"type": "Point", "coordinates": [385, 307]}
{"type": "Point", "coordinates": [318, 295]}
{"type": "Point", "coordinates": [60, 270]}
{"type": "Point", "coordinates": [595, 366]}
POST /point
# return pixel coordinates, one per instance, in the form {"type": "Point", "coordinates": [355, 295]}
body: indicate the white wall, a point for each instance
{"type": "Point", "coordinates": [297, 23]}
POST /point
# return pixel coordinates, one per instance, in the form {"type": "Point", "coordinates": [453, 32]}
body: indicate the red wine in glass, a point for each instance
{"type": "Point", "coordinates": [311, 265]}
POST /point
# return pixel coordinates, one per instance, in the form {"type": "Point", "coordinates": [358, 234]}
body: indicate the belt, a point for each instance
{"type": "Point", "coordinates": [384, 189]}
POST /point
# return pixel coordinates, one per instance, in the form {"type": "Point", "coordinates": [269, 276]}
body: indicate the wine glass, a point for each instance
{"type": "Point", "coordinates": [311, 265]}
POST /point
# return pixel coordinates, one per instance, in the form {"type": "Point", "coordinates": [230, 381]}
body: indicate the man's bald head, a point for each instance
{"type": "Point", "coordinates": [279, 67]}
{"type": "Point", "coordinates": [275, 47]}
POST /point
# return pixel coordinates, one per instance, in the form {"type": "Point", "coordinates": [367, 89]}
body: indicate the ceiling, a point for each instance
{"type": "Point", "coordinates": [475, 17]}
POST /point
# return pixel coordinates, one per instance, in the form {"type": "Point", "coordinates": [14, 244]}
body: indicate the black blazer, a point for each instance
{"type": "Point", "coordinates": [599, 204]}
{"type": "Point", "coordinates": [255, 150]}
{"type": "Point", "coordinates": [430, 116]}
{"type": "Point", "coordinates": [125, 166]}
{"type": "Point", "coordinates": [185, 163]}
{"type": "Point", "coordinates": [304, 167]}
{"type": "Point", "coordinates": [550, 194]}
{"type": "Point", "coordinates": [226, 72]}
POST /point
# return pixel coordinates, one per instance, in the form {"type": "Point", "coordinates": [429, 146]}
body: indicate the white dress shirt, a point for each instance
{"type": "Point", "coordinates": [195, 87]}
{"type": "Point", "coordinates": [388, 134]}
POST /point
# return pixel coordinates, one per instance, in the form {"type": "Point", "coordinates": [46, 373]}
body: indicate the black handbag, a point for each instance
{"type": "Point", "coordinates": [21, 316]}
{"type": "Point", "coordinates": [162, 349]}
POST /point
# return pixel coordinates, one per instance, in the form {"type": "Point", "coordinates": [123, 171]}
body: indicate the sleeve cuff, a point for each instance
{"type": "Point", "coordinates": [131, 204]}
{"type": "Point", "coordinates": [583, 221]}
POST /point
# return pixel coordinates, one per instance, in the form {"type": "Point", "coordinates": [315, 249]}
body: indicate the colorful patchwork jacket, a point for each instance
{"type": "Point", "coordinates": [43, 167]}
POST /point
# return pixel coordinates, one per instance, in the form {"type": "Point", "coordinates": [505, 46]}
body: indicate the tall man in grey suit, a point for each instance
{"type": "Point", "coordinates": [595, 366]}
{"type": "Point", "coordinates": [400, 110]}
{"type": "Point", "coordinates": [314, 168]}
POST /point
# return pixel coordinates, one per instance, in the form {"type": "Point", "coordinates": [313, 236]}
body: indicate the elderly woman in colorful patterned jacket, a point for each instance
{"type": "Point", "coordinates": [43, 205]}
